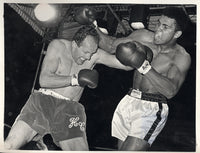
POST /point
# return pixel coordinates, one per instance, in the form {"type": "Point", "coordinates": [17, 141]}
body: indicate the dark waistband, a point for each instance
{"type": "Point", "coordinates": [147, 96]}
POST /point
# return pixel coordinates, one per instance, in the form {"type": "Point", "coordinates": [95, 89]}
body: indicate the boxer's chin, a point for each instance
{"type": "Point", "coordinates": [157, 41]}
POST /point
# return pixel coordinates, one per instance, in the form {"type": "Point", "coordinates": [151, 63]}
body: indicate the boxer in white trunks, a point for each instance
{"type": "Point", "coordinates": [142, 113]}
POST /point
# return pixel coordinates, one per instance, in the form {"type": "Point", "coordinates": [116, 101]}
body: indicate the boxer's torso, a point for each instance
{"type": "Point", "coordinates": [67, 67]}
{"type": "Point", "coordinates": [162, 61]}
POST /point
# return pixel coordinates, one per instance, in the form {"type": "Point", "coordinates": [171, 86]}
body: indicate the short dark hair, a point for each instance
{"type": "Point", "coordinates": [83, 32]}
{"type": "Point", "coordinates": [179, 15]}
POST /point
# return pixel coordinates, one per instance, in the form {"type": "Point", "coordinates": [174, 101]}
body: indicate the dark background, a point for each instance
{"type": "Point", "coordinates": [22, 50]}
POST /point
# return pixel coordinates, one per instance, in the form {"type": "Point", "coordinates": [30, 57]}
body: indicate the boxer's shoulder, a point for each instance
{"type": "Point", "coordinates": [59, 43]}
{"type": "Point", "coordinates": [59, 46]}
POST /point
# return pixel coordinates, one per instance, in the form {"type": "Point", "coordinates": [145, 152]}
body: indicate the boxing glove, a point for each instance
{"type": "Point", "coordinates": [134, 54]}
{"type": "Point", "coordinates": [149, 54]}
{"type": "Point", "coordinates": [85, 15]}
{"type": "Point", "coordinates": [86, 77]}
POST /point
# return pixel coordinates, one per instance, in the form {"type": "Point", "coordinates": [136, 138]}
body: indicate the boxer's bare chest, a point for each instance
{"type": "Point", "coordinates": [67, 66]}
{"type": "Point", "coordinates": [162, 59]}
{"type": "Point", "coordinates": [161, 63]}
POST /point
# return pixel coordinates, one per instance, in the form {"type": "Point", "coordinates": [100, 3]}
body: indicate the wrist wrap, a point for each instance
{"type": "Point", "coordinates": [146, 67]}
{"type": "Point", "coordinates": [74, 80]}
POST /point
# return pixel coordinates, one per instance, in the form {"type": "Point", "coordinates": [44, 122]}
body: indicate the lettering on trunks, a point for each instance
{"type": "Point", "coordinates": [74, 122]}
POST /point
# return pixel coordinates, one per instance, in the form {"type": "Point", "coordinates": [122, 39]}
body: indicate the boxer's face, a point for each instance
{"type": "Point", "coordinates": [85, 51]}
{"type": "Point", "coordinates": [165, 30]}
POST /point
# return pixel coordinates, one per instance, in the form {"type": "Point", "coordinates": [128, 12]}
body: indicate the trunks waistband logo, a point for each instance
{"type": "Point", "coordinates": [74, 122]}
{"type": "Point", "coordinates": [136, 94]}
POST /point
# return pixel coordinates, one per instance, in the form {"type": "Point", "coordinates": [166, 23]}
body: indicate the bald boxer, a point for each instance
{"type": "Point", "coordinates": [54, 109]}
{"type": "Point", "coordinates": [142, 113]}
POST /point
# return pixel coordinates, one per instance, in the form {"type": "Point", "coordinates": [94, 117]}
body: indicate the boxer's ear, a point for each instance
{"type": "Point", "coordinates": [177, 34]}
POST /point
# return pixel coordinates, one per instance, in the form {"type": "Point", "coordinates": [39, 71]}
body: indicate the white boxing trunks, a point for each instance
{"type": "Point", "coordinates": [140, 115]}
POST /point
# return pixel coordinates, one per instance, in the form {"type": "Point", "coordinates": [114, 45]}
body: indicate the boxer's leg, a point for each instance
{"type": "Point", "coordinates": [68, 128]}
{"type": "Point", "coordinates": [74, 144]}
{"type": "Point", "coordinates": [20, 134]}
{"type": "Point", "coordinates": [119, 144]}
{"type": "Point", "coordinates": [134, 144]}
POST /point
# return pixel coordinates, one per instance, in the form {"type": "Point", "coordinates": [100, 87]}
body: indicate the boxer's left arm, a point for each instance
{"type": "Point", "coordinates": [110, 60]}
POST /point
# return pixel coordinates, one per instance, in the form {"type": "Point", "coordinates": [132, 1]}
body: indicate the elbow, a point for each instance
{"type": "Point", "coordinates": [128, 69]}
{"type": "Point", "coordinates": [171, 93]}
{"type": "Point", "coordinates": [168, 96]}
{"type": "Point", "coordinates": [42, 81]}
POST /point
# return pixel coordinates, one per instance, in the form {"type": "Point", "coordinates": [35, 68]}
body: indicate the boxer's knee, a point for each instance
{"type": "Point", "coordinates": [9, 143]}
{"type": "Point", "coordinates": [19, 135]}
{"type": "Point", "coordinates": [74, 144]}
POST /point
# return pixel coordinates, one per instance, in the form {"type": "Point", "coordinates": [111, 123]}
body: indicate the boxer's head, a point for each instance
{"type": "Point", "coordinates": [83, 32]}
{"type": "Point", "coordinates": [178, 15]}
{"type": "Point", "coordinates": [84, 44]}
{"type": "Point", "coordinates": [170, 25]}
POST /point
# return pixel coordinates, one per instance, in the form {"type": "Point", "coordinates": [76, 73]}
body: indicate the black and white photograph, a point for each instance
{"type": "Point", "coordinates": [100, 76]}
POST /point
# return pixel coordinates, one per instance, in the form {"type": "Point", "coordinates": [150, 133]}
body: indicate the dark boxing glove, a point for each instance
{"type": "Point", "coordinates": [149, 54]}
{"type": "Point", "coordinates": [134, 54]}
{"type": "Point", "coordinates": [86, 77]}
{"type": "Point", "coordinates": [85, 15]}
